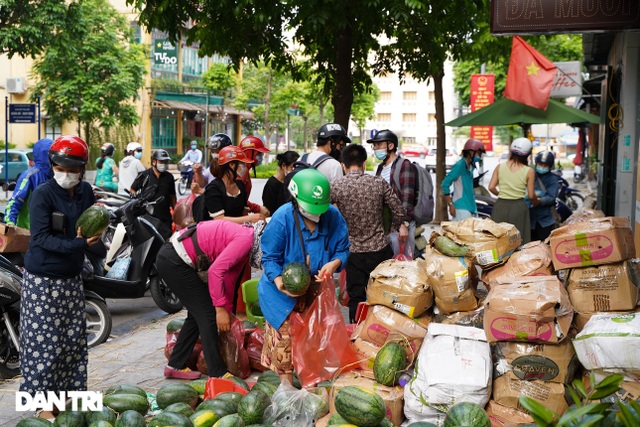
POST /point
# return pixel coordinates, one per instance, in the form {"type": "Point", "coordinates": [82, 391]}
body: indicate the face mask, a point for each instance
{"type": "Point", "coordinates": [542, 170]}
{"type": "Point", "coordinates": [162, 167]}
{"type": "Point", "coordinates": [193, 147]}
{"type": "Point", "coordinates": [214, 156]}
{"type": "Point", "coordinates": [477, 159]}
{"type": "Point", "coordinates": [310, 217]}
{"type": "Point", "coordinates": [138, 155]}
{"type": "Point", "coordinates": [241, 170]}
{"type": "Point", "coordinates": [380, 154]}
{"type": "Point", "coordinates": [66, 180]}
{"type": "Point", "coordinates": [259, 159]}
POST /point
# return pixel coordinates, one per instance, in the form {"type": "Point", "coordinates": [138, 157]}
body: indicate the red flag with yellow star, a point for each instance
{"type": "Point", "coordinates": [530, 76]}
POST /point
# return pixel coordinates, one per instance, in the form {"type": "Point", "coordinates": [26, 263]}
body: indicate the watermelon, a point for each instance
{"type": "Point", "coordinates": [173, 393]}
{"type": "Point", "coordinates": [248, 324]}
{"type": "Point", "coordinates": [93, 221]}
{"type": "Point", "coordinates": [385, 423]}
{"type": "Point", "coordinates": [124, 402]}
{"type": "Point", "coordinates": [336, 419]}
{"type": "Point", "coordinates": [389, 364]}
{"type": "Point", "coordinates": [170, 419]}
{"type": "Point", "coordinates": [466, 414]}
{"type": "Point", "coordinates": [204, 418]}
{"type": "Point", "coordinates": [360, 406]}
{"type": "Point", "coordinates": [125, 389]}
{"type": "Point", "coordinates": [422, 424]}
{"type": "Point", "coordinates": [175, 325]}
{"type": "Point", "coordinates": [256, 310]}
{"type": "Point", "coordinates": [269, 376]}
{"type": "Point", "coordinates": [130, 419]}
{"type": "Point", "coordinates": [220, 407]}
{"type": "Point", "coordinates": [252, 406]}
{"type": "Point", "coordinates": [199, 385]}
{"type": "Point", "coordinates": [233, 420]}
{"type": "Point", "coordinates": [316, 405]}
{"type": "Point", "coordinates": [70, 419]}
{"type": "Point", "coordinates": [180, 408]}
{"type": "Point", "coordinates": [239, 381]}
{"type": "Point", "coordinates": [34, 422]}
{"type": "Point", "coordinates": [106, 414]}
{"type": "Point", "coordinates": [266, 386]}
{"type": "Point", "coordinates": [296, 278]}
{"type": "Point", "coordinates": [101, 423]}
{"type": "Point", "coordinates": [232, 398]}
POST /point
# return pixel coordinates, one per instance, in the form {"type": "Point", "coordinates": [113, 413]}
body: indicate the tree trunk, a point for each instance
{"type": "Point", "coordinates": [342, 97]}
{"type": "Point", "coordinates": [267, 101]}
{"type": "Point", "coordinates": [441, 207]}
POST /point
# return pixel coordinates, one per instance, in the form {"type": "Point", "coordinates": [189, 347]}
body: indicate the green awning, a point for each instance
{"type": "Point", "coordinates": [190, 98]}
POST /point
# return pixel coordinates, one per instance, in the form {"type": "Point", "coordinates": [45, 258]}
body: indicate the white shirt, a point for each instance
{"type": "Point", "coordinates": [330, 168]}
{"type": "Point", "coordinates": [129, 169]}
{"type": "Point", "coordinates": [194, 155]}
{"type": "Point", "coordinates": [386, 173]}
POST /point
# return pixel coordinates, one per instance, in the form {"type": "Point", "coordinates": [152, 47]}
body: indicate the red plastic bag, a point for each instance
{"type": "Point", "coordinates": [172, 339]}
{"type": "Point", "coordinates": [183, 214]}
{"type": "Point", "coordinates": [233, 352]}
{"type": "Point", "coordinates": [343, 296]}
{"type": "Point", "coordinates": [254, 349]}
{"type": "Point", "coordinates": [404, 255]}
{"type": "Point", "coordinates": [320, 343]}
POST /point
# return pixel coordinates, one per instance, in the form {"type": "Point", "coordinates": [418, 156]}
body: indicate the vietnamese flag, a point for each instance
{"type": "Point", "coordinates": [530, 76]}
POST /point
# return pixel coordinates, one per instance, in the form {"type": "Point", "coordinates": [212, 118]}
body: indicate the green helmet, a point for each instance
{"type": "Point", "coordinates": [310, 188]}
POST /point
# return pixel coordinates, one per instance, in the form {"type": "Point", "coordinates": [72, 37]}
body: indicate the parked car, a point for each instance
{"type": "Point", "coordinates": [450, 159]}
{"type": "Point", "coordinates": [19, 161]}
{"type": "Point", "coordinates": [414, 151]}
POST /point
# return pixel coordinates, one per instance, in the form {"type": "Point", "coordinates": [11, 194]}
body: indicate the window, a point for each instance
{"type": "Point", "coordinates": [431, 117]}
{"type": "Point", "coordinates": [410, 139]}
{"type": "Point", "coordinates": [385, 96]}
{"type": "Point", "coordinates": [408, 117]}
{"type": "Point", "coordinates": [409, 96]}
{"type": "Point", "coordinates": [432, 96]}
{"type": "Point", "coordinates": [51, 130]}
{"type": "Point", "coordinates": [384, 117]}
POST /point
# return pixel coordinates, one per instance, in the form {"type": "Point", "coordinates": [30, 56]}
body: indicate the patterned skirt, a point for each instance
{"type": "Point", "coordinates": [53, 338]}
{"type": "Point", "coordinates": [276, 351]}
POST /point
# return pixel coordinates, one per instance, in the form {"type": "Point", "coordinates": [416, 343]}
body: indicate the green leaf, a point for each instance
{"type": "Point", "coordinates": [542, 415]}
{"type": "Point", "coordinates": [610, 380]}
{"type": "Point", "coordinates": [578, 385]}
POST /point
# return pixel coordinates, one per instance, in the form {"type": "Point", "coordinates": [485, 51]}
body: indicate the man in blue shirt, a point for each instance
{"type": "Point", "coordinates": [195, 157]}
{"type": "Point", "coordinates": [462, 201]}
{"type": "Point", "coordinates": [543, 215]}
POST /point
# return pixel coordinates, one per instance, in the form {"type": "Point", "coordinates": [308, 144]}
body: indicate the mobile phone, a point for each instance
{"type": "Point", "coordinates": [58, 221]}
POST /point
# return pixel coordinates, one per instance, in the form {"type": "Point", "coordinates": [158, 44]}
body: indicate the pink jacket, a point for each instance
{"type": "Point", "coordinates": [227, 245]}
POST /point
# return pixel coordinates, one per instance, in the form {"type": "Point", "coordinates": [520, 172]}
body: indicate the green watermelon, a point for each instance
{"type": "Point", "coordinates": [336, 419]}
{"type": "Point", "coordinates": [34, 422]}
{"type": "Point", "coordinates": [314, 404]}
{"type": "Point", "coordinates": [256, 310]}
{"type": "Point", "coordinates": [101, 423]}
{"type": "Point", "coordinates": [173, 393]}
{"type": "Point", "coordinates": [360, 406]}
{"type": "Point", "coordinates": [248, 324]}
{"type": "Point", "coordinates": [466, 414]}
{"type": "Point", "coordinates": [205, 418]}
{"type": "Point", "coordinates": [239, 381]}
{"type": "Point", "coordinates": [389, 364]}
{"type": "Point", "coordinates": [270, 376]}
{"type": "Point", "coordinates": [93, 221]}
{"type": "Point", "coordinates": [180, 408]}
{"type": "Point", "coordinates": [175, 325]}
{"type": "Point", "coordinates": [252, 406]}
{"type": "Point", "coordinates": [232, 398]}
{"type": "Point", "coordinates": [173, 419]}
{"type": "Point", "coordinates": [422, 424]}
{"type": "Point", "coordinates": [125, 389]}
{"type": "Point", "coordinates": [386, 423]}
{"type": "Point", "coordinates": [124, 402]}
{"type": "Point", "coordinates": [70, 419]}
{"type": "Point", "coordinates": [130, 419]}
{"type": "Point", "coordinates": [296, 278]}
{"type": "Point", "coordinates": [199, 385]}
{"type": "Point", "coordinates": [106, 414]}
{"type": "Point", "coordinates": [233, 420]}
{"type": "Point", "coordinates": [220, 407]}
{"type": "Point", "coordinates": [266, 386]}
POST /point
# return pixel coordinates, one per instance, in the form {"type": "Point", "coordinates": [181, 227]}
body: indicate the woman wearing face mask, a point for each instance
{"type": "Point", "coordinates": [226, 196]}
{"type": "Point", "coordinates": [53, 344]}
{"type": "Point", "coordinates": [309, 230]}
{"type": "Point", "coordinates": [106, 168]}
{"type": "Point", "coordinates": [543, 216]}
{"type": "Point", "coordinates": [203, 176]}
{"type": "Point", "coordinates": [462, 201]}
{"type": "Point", "coordinates": [130, 167]}
{"type": "Point", "coordinates": [254, 149]}
{"type": "Point", "coordinates": [275, 194]}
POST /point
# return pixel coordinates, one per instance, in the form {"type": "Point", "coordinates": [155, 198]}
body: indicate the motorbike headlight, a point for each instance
{"type": "Point", "coordinates": [11, 282]}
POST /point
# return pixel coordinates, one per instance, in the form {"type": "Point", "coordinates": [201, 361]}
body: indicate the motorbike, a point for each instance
{"type": "Point", "coordinates": [129, 246]}
{"type": "Point", "coordinates": [186, 175]}
{"type": "Point", "coordinates": [97, 315]}
{"type": "Point", "coordinates": [568, 195]}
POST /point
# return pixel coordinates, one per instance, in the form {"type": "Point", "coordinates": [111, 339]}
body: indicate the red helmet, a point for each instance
{"type": "Point", "coordinates": [473, 144]}
{"type": "Point", "coordinates": [232, 153]}
{"type": "Point", "coordinates": [253, 143]}
{"type": "Point", "coordinates": [69, 151]}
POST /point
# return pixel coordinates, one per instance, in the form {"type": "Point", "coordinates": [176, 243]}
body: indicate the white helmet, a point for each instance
{"type": "Point", "coordinates": [521, 146]}
{"type": "Point", "coordinates": [133, 146]}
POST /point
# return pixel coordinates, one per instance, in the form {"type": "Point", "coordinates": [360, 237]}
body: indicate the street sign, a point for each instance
{"type": "Point", "coordinates": [294, 111]}
{"type": "Point", "coordinates": [22, 113]}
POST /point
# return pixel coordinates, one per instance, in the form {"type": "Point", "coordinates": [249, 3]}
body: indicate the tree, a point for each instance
{"type": "Point", "coordinates": [220, 78]}
{"type": "Point", "coordinates": [363, 109]}
{"type": "Point", "coordinates": [92, 70]}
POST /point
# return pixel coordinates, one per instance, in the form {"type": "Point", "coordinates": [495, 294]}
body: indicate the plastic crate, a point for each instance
{"type": "Point", "coordinates": [250, 296]}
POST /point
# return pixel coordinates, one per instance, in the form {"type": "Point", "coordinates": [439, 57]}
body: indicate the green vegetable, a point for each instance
{"type": "Point", "coordinates": [252, 406]}
{"type": "Point", "coordinates": [173, 393]}
{"type": "Point", "coordinates": [180, 408]}
{"type": "Point", "coordinates": [173, 419]}
{"type": "Point", "coordinates": [296, 278]}
{"type": "Point", "coordinates": [466, 414]}
{"type": "Point", "coordinates": [450, 248]}
{"type": "Point", "coordinates": [360, 406]}
{"type": "Point", "coordinates": [233, 420]}
{"type": "Point", "coordinates": [125, 389]}
{"type": "Point", "coordinates": [130, 419]}
{"type": "Point", "coordinates": [124, 402]}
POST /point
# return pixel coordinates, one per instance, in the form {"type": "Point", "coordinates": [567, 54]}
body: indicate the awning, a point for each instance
{"type": "Point", "coordinates": [216, 109]}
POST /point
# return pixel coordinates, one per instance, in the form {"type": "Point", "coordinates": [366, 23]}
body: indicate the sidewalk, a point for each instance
{"type": "Point", "coordinates": [135, 358]}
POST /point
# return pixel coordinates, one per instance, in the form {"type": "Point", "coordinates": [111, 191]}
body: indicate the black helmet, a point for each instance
{"type": "Point", "coordinates": [107, 149]}
{"type": "Point", "coordinates": [384, 135]}
{"type": "Point", "coordinates": [160, 155]}
{"type": "Point", "coordinates": [333, 131]}
{"type": "Point", "coordinates": [218, 141]}
{"type": "Point", "coordinates": [545, 158]}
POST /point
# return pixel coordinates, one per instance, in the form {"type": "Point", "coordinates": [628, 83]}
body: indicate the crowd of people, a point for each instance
{"type": "Point", "coordinates": [323, 211]}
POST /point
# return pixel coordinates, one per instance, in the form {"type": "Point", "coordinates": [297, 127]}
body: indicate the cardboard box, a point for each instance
{"type": "Point", "coordinates": [491, 243]}
{"type": "Point", "coordinates": [580, 319]}
{"type": "Point", "coordinates": [545, 362]}
{"type": "Point", "coordinates": [583, 215]}
{"type": "Point", "coordinates": [401, 285]}
{"type": "Point", "coordinates": [503, 416]}
{"type": "Point", "coordinates": [531, 309]}
{"type": "Point", "coordinates": [453, 280]}
{"type": "Point", "coordinates": [453, 365]}
{"type": "Point", "coordinates": [532, 259]}
{"type": "Point", "coordinates": [610, 287]}
{"type": "Point", "coordinates": [14, 239]}
{"type": "Point", "coordinates": [473, 318]}
{"type": "Point", "coordinates": [393, 397]}
{"type": "Point", "coordinates": [366, 352]}
{"type": "Point", "coordinates": [610, 343]}
{"type": "Point", "coordinates": [593, 242]}
{"type": "Point", "coordinates": [508, 388]}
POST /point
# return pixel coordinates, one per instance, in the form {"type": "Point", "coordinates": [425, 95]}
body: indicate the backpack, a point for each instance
{"type": "Point", "coordinates": [304, 164]}
{"type": "Point", "coordinates": [424, 202]}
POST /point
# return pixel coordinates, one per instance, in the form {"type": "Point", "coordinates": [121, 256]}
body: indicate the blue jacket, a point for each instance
{"type": "Point", "coordinates": [17, 210]}
{"type": "Point", "coordinates": [541, 214]}
{"type": "Point", "coordinates": [461, 176]}
{"type": "Point", "coordinates": [281, 245]}
{"type": "Point", "coordinates": [57, 254]}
